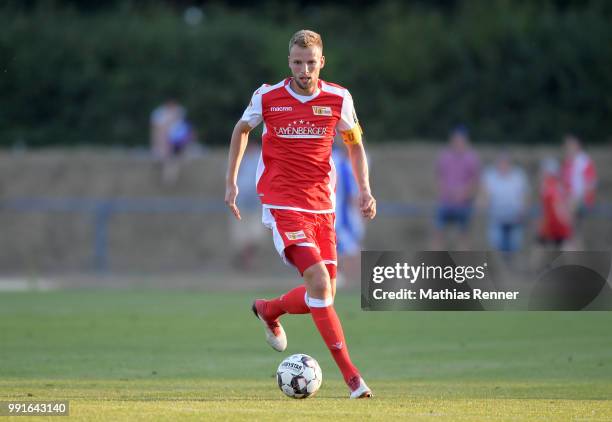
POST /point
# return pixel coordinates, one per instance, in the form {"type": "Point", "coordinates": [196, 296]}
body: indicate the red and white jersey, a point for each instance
{"type": "Point", "coordinates": [296, 171]}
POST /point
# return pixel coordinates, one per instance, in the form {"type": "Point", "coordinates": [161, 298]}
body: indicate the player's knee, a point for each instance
{"type": "Point", "coordinates": [318, 282]}
{"type": "Point", "coordinates": [321, 286]}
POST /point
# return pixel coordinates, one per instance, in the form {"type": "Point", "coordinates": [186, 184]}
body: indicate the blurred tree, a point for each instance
{"type": "Point", "coordinates": [76, 72]}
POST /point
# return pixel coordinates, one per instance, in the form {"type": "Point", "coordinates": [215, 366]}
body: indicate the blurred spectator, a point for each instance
{"type": "Point", "coordinates": [579, 179]}
{"type": "Point", "coordinates": [350, 228]}
{"type": "Point", "coordinates": [555, 227]}
{"type": "Point", "coordinates": [248, 234]}
{"type": "Point", "coordinates": [171, 134]}
{"type": "Point", "coordinates": [457, 176]}
{"type": "Point", "coordinates": [504, 192]}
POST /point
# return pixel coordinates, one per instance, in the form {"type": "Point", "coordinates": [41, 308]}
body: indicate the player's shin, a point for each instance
{"type": "Point", "coordinates": [329, 326]}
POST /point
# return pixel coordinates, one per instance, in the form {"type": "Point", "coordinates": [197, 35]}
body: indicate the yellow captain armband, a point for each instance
{"type": "Point", "coordinates": [352, 136]}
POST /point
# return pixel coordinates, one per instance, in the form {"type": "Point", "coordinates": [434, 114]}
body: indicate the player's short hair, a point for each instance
{"type": "Point", "coordinates": [306, 38]}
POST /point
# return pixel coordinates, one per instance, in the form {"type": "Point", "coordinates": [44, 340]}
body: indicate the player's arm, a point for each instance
{"type": "Point", "coordinates": [359, 162]}
{"type": "Point", "coordinates": [251, 117]}
{"type": "Point", "coordinates": [240, 138]}
{"type": "Point", "coordinates": [350, 130]}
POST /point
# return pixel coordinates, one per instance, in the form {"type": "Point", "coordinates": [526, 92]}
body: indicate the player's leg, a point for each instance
{"type": "Point", "coordinates": [320, 283]}
{"type": "Point", "coordinates": [320, 300]}
{"type": "Point", "coordinates": [294, 301]}
{"type": "Point", "coordinates": [293, 237]}
{"type": "Point", "coordinates": [332, 281]}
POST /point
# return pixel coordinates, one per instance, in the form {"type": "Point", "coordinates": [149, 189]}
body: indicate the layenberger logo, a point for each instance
{"type": "Point", "coordinates": [301, 129]}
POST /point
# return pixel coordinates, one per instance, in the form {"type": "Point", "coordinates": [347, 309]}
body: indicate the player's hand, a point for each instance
{"type": "Point", "coordinates": [367, 204]}
{"type": "Point", "coordinates": [231, 192]}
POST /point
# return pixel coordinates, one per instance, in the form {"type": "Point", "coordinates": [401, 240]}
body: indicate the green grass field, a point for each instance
{"type": "Point", "coordinates": [118, 355]}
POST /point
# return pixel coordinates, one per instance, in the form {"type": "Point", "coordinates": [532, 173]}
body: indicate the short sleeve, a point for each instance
{"type": "Point", "coordinates": [348, 116]}
{"type": "Point", "coordinates": [253, 114]}
{"type": "Point", "coordinates": [348, 125]}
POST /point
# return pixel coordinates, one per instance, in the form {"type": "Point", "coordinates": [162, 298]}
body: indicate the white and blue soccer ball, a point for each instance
{"type": "Point", "coordinates": [299, 376]}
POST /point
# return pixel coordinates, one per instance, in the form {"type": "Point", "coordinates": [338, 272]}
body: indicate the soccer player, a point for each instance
{"type": "Point", "coordinates": [296, 183]}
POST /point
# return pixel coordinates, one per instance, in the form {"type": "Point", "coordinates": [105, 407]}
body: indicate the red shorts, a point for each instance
{"type": "Point", "coordinates": [303, 229]}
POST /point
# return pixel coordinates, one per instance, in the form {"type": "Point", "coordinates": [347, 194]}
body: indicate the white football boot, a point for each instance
{"type": "Point", "coordinates": [275, 334]}
{"type": "Point", "coordinates": [361, 390]}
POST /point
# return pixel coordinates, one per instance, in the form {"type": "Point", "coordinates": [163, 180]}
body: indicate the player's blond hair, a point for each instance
{"type": "Point", "coordinates": [306, 38]}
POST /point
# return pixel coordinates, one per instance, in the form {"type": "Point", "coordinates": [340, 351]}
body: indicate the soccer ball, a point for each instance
{"type": "Point", "coordinates": [299, 376]}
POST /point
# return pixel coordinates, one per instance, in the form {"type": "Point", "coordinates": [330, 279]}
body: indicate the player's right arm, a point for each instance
{"type": "Point", "coordinates": [251, 117]}
{"type": "Point", "coordinates": [240, 138]}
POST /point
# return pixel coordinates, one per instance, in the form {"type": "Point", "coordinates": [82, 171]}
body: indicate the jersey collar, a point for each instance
{"type": "Point", "coordinates": [302, 98]}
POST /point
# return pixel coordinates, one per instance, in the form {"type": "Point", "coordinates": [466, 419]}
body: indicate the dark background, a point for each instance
{"type": "Point", "coordinates": [90, 72]}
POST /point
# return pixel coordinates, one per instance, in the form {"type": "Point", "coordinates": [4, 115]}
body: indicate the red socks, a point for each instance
{"type": "Point", "coordinates": [328, 324]}
{"type": "Point", "coordinates": [292, 302]}
{"type": "Point", "coordinates": [326, 320]}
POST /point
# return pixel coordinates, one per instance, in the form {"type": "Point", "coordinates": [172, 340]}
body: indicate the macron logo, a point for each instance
{"type": "Point", "coordinates": [281, 108]}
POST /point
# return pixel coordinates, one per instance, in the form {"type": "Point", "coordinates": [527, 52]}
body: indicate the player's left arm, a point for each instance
{"type": "Point", "coordinates": [359, 162]}
{"type": "Point", "coordinates": [351, 133]}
